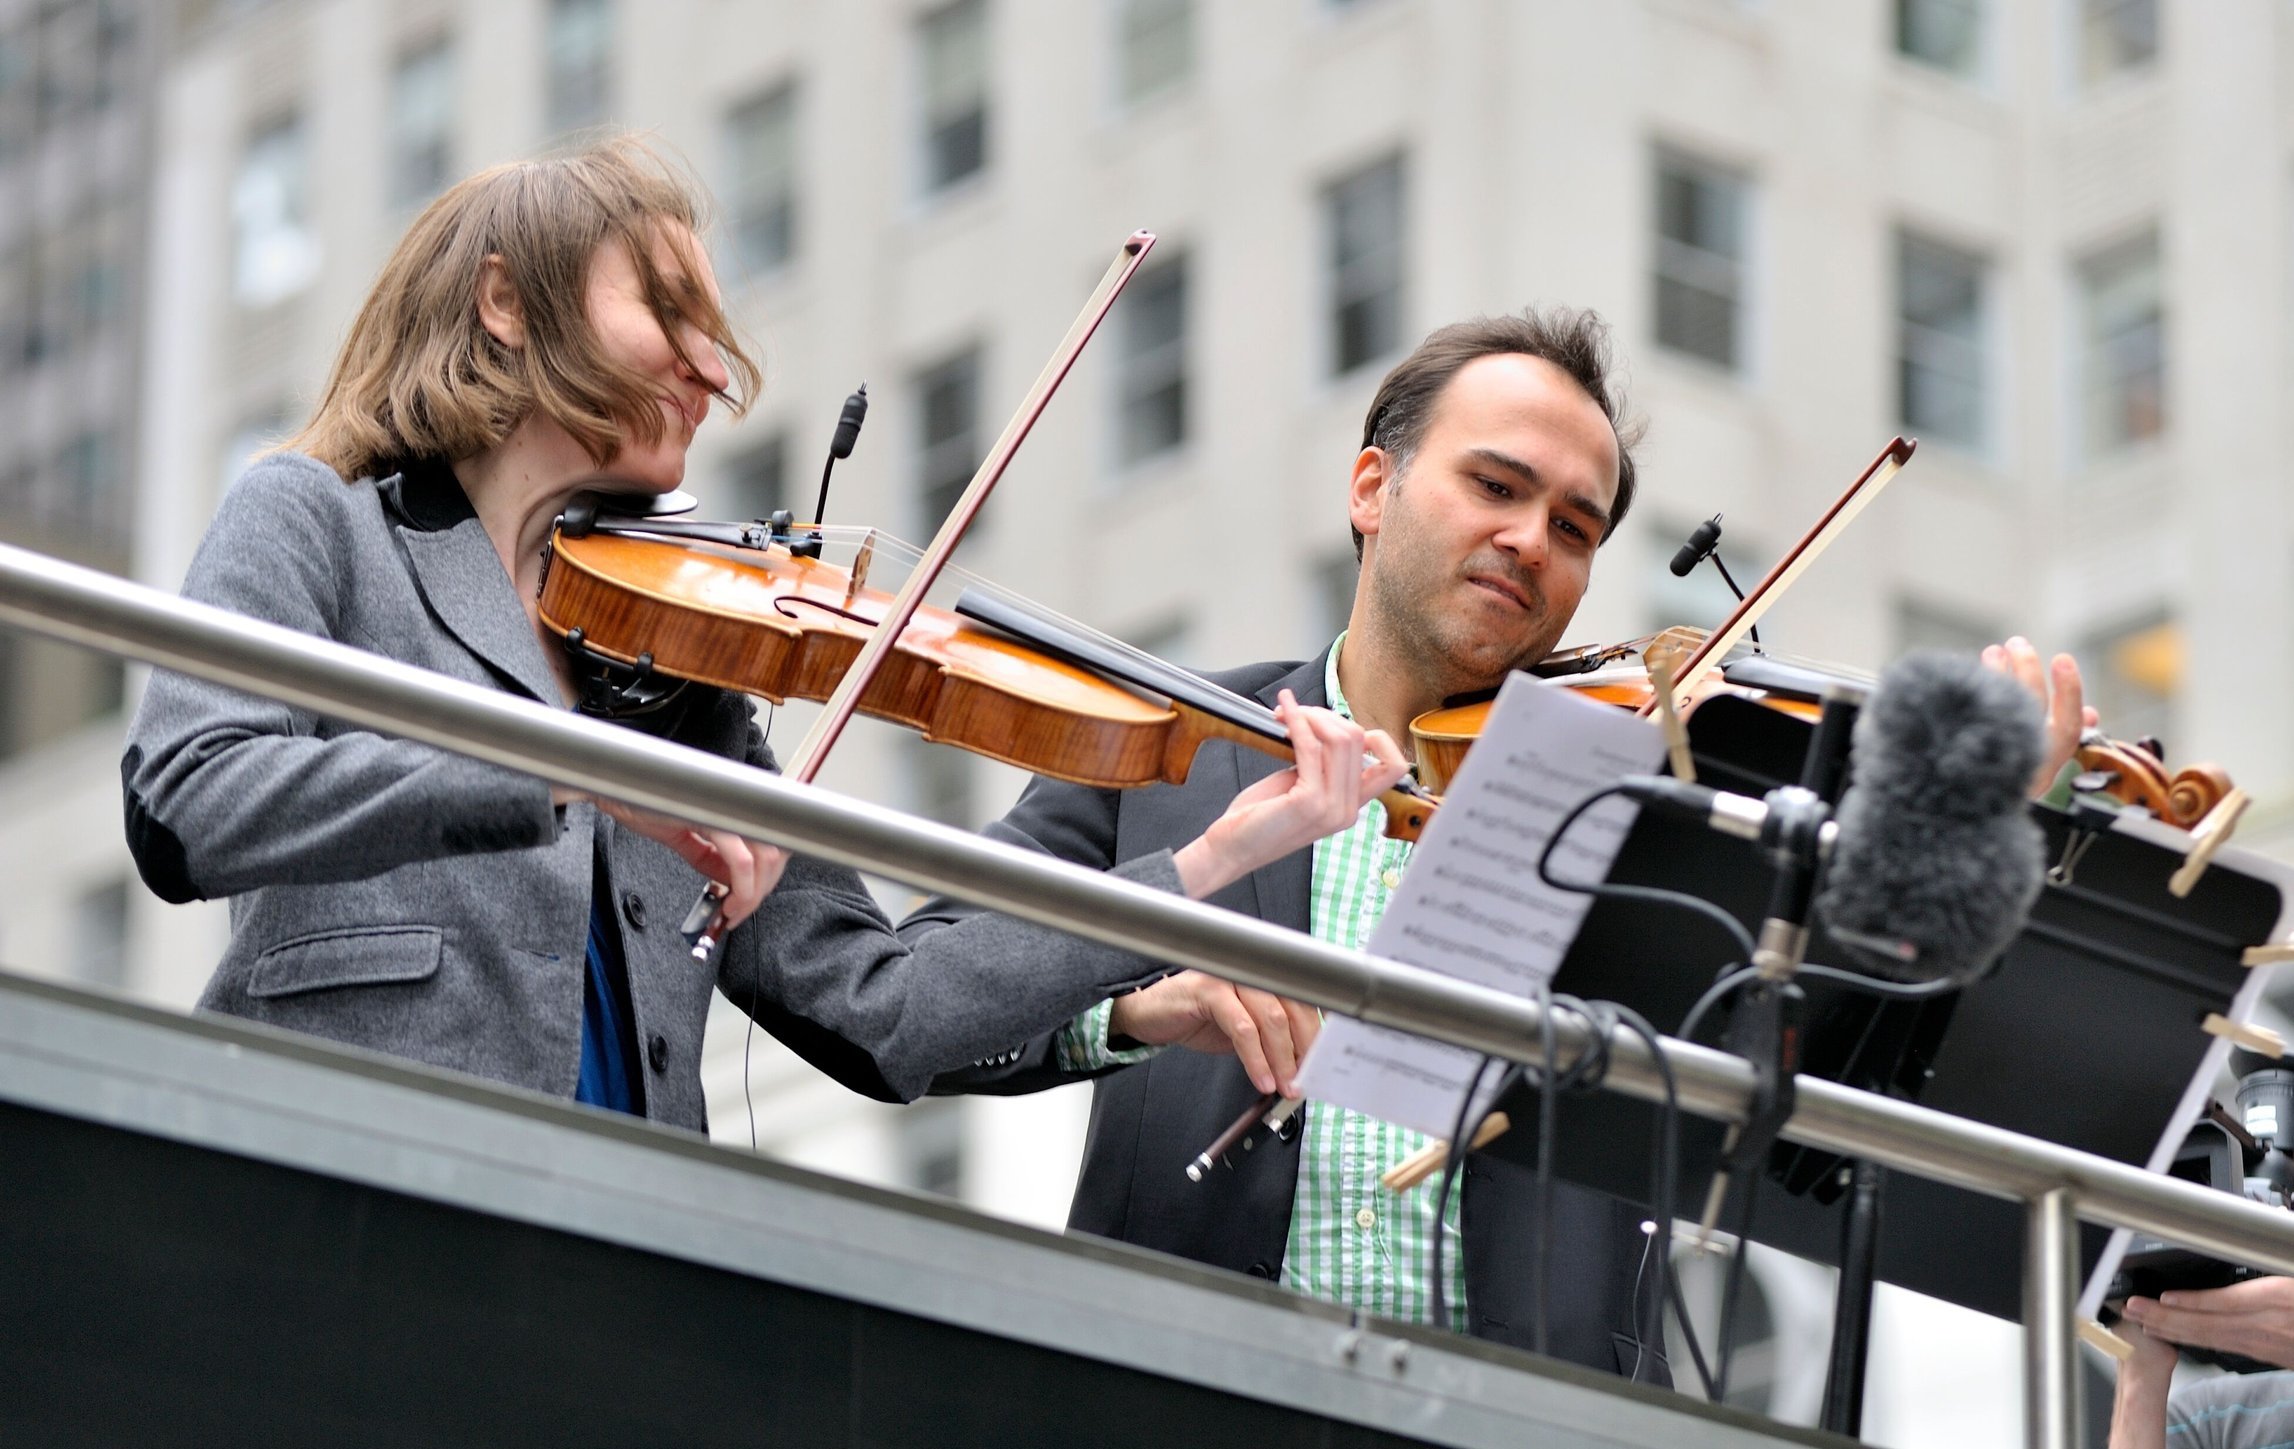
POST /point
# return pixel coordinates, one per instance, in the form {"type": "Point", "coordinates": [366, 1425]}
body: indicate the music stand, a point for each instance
{"type": "Point", "coordinates": [2088, 1034]}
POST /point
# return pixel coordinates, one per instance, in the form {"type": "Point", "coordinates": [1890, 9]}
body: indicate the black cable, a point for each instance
{"type": "Point", "coordinates": [1649, 895]}
{"type": "Point", "coordinates": [1734, 1286]}
{"type": "Point", "coordinates": [1451, 1167]}
{"type": "Point", "coordinates": [1548, 1128]}
{"type": "Point", "coordinates": [1854, 980]}
{"type": "Point", "coordinates": [1664, 1173]}
{"type": "Point", "coordinates": [1714, 995]}
{"type": "Point", "coordinates": [1603, 1019]}
{"type": "Point", "coordinates": [1730, 579]}
{"type": "Point", "coordinates": [1689, 1336]}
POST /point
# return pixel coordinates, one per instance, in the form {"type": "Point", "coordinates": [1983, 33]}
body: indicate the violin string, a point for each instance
{"type": "Point", "coordinates": [900, 551]}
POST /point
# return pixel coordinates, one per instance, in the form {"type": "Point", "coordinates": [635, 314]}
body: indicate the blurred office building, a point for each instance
{"type": "Point", "coordinates": [77, 86]}
{"type": "Point", "coordinates": [2048, 238]}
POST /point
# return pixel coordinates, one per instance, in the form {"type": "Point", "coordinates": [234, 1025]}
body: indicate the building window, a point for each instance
{"type": "Point", "coordinates": [87, 482]}
{"type": "Point", "coordinates": [257, 434]}
{"type": "Point", "coordinates": [48, 690]}
{"type": "Point", "coordinates": [1945, 34]}
{"type": "Point", "coordinates": [1155, 47]}
{"type": "Point", "coordinates": [1941, 341]}
{"type": "Point", "coordinates": [17, 291]}
{"type": "Point", "coordinates": [952, 49]}
{"type": "Point", "coordinates": [421, 125]}
{"type": "Point", "coordinates": [2122, 309]}
{"type": "Point", "coordinates": [940, 783]}
{"type": "Point", "coordinates": [1152, 364]}
{"type": "Point", "coordinates": [2115, 36]}
{"type": "Point", "coordinates": [761, 180]}
{"type": "Point", "coordinates": [930, 1146]}
{"type": "Point", "coordinates": [1922, 625]}
{"type": "Point", "coordinates": [947, 436]}
{"type": "Point", "coordinates": [275, 252]}
{"type": "Point", "coordinates": [99, 935]}
{"type": "Point", "coordinates": [1362, 224]}
{"type": "Point", "coordinates": [756, 479]}
{"type": "Point", "coordinates": [579, 45]}
{"type": "Point", "coordinates": [1330, 597]}
{"type": "Point", "coordinates": [15, 91]}
{"type": "Point", "coordinates": [1701, 246]}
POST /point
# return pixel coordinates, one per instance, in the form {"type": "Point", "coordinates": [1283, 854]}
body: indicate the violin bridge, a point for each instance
{"type": "Point", "coordinates": [860, 563]}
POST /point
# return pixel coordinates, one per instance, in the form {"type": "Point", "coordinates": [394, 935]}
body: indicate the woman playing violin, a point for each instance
{"type": "Point", "coordinates": [546, 329]}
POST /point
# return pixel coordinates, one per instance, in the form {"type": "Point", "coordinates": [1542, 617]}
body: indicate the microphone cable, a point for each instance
{"type": "Point", "coordinates": [1603, 1019]}
{"type": "Point", "coordinates": [1668, 1148]}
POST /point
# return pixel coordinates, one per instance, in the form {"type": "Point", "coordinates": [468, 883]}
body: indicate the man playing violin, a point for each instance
{"type": "Point", "coordinates": [1494, 463]}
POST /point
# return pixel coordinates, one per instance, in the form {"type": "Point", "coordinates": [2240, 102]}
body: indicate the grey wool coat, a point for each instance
{"type": "Point", "coordinates": [394, 896]}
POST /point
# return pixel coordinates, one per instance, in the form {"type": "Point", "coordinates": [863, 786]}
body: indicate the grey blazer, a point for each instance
{"type": "Point", "coordinates": [394, 896]}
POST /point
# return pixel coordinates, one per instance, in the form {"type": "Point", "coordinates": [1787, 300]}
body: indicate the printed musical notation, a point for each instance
{"type": "Point", "coordinates": [1471, 904]}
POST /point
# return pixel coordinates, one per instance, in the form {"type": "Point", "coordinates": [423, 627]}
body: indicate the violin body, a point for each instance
{"type": "Point", "coordinates": [783, 628]}
{"type": "Point", "coordinates": [1443, 736]}
{"type": "Point", "coordinates": [767, 622]}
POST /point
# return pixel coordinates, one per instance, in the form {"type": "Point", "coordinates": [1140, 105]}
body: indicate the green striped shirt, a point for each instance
{"type": "Point", "coordinates": [1351, 1240]}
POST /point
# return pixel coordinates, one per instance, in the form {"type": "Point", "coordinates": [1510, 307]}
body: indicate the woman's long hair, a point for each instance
{"type": "Point", "coordinates": [419, 375]}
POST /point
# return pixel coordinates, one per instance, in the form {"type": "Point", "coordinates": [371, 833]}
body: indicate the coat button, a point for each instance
{"type": "Point", "coordinates": [657, 1054]}
{"type": "Point", "coordinates": [1262, 1270]}
{"type": "Point", "coordinates": [633, 909]}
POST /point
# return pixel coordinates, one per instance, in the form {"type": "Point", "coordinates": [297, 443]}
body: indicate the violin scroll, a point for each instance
{"type": "Point", "coordinates": [2133, 773]}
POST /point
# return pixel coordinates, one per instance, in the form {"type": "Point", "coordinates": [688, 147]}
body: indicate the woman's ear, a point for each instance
{"type": "Point", "coordinates": [500, 311]}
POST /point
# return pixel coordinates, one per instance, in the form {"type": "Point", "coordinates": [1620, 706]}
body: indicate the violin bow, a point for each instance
{"type": "Point", "coordinates": [812, 753]}
{"type": "Point", "coordinates": [837, 712]}
{"type": "Point", "coordinates": [1796, 560]}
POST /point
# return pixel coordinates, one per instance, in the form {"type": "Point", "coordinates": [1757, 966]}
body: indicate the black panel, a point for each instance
{"type": "Point", "coordinates": [157, 1294]}
{"type": "Point", "coordinates": [2086, 1036]}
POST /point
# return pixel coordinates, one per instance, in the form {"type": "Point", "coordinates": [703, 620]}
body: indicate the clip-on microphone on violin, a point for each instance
{"type": "Point", "coordinates": [1702, 544]}
{"type": "Point", "coordinates": [698, 926]}
{"type": "Point", "coordinates": [839, 446]}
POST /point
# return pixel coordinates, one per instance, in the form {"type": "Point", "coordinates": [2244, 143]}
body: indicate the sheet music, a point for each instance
{"type": "Point", "coordinates": [2259, 982]}
{"type": "Point", "coordinates": [1471, 904]}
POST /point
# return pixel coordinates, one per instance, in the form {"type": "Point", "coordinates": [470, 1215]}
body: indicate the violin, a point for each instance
{"type": "Point", "coordinates": [1701, 666]}
{"type": "Point", "coordinates": [1441, 737]}
{"type": "Point", "coordinates": [760, 609]}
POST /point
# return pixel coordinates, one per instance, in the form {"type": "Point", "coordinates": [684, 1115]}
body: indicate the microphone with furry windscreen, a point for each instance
{"type": "Point", "coordinates": [1937, 863]}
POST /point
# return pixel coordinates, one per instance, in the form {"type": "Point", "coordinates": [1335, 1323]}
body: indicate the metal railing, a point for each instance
{"type": "Point", "coordinates": [2059, 1186]}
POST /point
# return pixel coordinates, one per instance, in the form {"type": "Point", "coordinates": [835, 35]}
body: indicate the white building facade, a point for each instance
{"type": "Point", "coordinates": [2048, 237]}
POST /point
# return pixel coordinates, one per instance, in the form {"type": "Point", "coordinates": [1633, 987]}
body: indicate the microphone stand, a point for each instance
{"type": "Point", "coordinates": [1765, 1025]}
{"type": "Point", "coordinates": [1825, 773]}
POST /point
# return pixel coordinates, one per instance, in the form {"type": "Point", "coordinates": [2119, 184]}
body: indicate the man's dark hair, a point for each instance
{"type": "Point", "coordinates": [1573, 339]}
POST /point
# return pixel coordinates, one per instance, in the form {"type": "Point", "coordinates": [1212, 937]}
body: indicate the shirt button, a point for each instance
{"type": "Point", "coordinates": [1365, 1219]}
{"type": "Point", "coordinates": [1390, 879]}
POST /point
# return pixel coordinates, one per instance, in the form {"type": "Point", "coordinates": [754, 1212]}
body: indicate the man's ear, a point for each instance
{"type": "Point", "coordinates": [500, 311]}
{"type": "Point", "coordinates": [1366, 495]}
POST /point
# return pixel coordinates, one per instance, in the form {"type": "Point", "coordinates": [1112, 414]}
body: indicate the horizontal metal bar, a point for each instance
{"type": "Point", "coordinates": [82, 606]}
